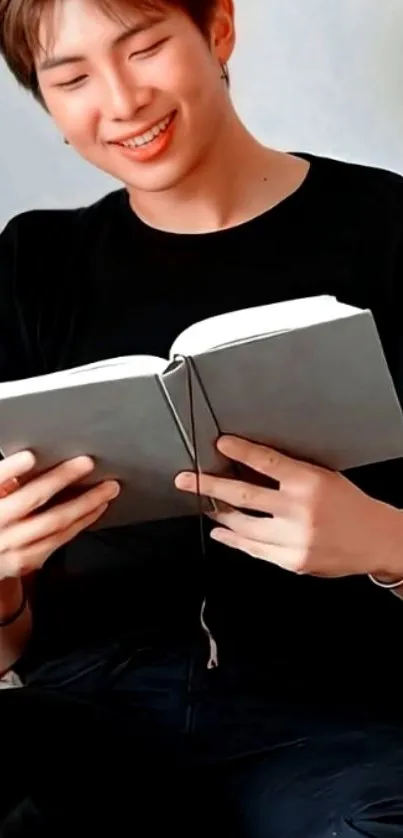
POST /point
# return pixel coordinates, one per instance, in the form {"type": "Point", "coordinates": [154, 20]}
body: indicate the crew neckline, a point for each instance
{"type": "Point", "coordinates": [274, 212]}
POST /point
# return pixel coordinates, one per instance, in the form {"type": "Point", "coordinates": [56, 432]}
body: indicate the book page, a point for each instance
{"type": "Point", "coordinates": [110, 369]}
{"type": "Point", "coordinates": [239, 326]}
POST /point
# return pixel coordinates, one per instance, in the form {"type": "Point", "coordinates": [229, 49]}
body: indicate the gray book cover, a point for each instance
{"type": "Point", "coordinates": [126, 425]}
{"type": "Point", "coordinates": [322, 392]}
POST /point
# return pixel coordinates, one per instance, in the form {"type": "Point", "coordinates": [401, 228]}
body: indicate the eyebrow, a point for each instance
{"type": "Point", "coordinates": [60, 61]}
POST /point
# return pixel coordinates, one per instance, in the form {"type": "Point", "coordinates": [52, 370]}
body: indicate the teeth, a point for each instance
{"type": "Point", "coordinates": [149, 136]}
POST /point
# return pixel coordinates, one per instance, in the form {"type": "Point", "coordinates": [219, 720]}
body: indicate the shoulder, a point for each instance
{"type": "Point", "coordinates": [356, 218]}
{"type": "Point", "coordinates": [373, 193]}
{"type": "Point", "coordinates": [46, 280]}
{"type": "Point", "coordinates": [46, 271]}
{"type": "Point", "coordinates": [45, 251]}
{"type": "Point", "coordinates": [41, 230]}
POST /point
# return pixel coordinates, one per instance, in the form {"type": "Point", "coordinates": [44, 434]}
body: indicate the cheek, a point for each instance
{"type": "Point", "coordinates": [186, 74]}
{"type": "Point", "coordinates": [73, 117]}
{"type": "Point", "coordinates": [197, 101]}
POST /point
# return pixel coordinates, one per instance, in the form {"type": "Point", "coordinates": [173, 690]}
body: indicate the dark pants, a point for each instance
{"type": "Point", "coordinates": [137, 744]}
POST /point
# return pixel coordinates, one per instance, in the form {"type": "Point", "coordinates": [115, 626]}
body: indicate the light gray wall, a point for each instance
{"type": "Point", "coordinates": [319, 75]}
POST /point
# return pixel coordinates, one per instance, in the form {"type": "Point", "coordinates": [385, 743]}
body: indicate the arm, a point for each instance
{"type": "Point", "coordinates": [32, 527]}
{"type": "Point", "coordinates": [15, 363]}
{"type": "Point", "coordinates": [14, 637]}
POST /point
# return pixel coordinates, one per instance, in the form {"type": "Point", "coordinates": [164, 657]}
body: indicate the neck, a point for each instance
{"type": "Point", "coordinates": [236, 180]}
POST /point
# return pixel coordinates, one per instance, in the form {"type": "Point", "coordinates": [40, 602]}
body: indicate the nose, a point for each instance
{"type": "Point", "coordinates": [123, 98]}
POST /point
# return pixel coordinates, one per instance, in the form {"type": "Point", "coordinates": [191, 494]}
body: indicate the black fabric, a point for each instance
{"type": "Point", "coordinates": [81, 285]}
{"type": "Point", "coordinates": [166, 745]}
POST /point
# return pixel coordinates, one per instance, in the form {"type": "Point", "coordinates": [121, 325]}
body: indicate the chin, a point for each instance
{"type": "Point", "coordinates": [154, 177]}
{"type": "Point", "coordinates": [155, 181]}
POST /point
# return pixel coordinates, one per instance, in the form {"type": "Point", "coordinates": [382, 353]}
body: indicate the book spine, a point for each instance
{"type": "Point", "coordinates": [192, 369]}
{"type": "Point", "coordinates": [179, 424]}
{"type": "Point", "coordinates": [193, 407]}
{"type": "Point", "coordinates": [198, 409]}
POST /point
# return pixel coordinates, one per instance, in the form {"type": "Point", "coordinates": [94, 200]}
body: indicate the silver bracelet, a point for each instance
{"type": "Point", "coordinates": [10, 681]}
{"type": "Point", "coordinates": [387, 586]}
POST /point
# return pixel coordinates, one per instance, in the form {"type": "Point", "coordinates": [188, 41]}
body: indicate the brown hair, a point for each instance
{"type": "Point", "coordinates": [19, 25]}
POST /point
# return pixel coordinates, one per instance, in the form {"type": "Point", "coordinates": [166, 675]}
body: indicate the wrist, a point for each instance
{"type": "Point", "coordinates": [11, 596]}
{"type": "Point", "coordinates": [387, 564]}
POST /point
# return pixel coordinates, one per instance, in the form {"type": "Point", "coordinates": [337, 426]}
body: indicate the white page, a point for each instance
{"type": "Point", "coordinates": [111, 369]}
{"type": "Point", "coordinates": [256, 322]}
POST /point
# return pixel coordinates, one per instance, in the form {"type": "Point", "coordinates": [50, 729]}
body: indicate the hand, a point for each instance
{"type": "Point", "coordinates": [30, 531]}
{"type": "Point", "coordinates": [316, 522]}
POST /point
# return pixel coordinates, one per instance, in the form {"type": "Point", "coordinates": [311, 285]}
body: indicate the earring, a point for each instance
{"type": "Point", "coordinates": [66, 142]}
{"type": "Point", "coordinates": [225, 73]}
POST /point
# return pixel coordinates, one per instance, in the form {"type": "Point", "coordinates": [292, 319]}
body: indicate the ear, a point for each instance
{"type": "Point", "coordinates": [222, 30]}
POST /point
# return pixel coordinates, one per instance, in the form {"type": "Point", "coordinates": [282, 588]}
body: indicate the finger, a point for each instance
{"type": "Point", "coordinates": [283, 557]}
{"type": "Point", "coordinates": [33, 557]}
{"type": "Point", "coordinates": [260, 458]}
{"type": "Point", "coordinates": [268, 530]}
{"type": "Point", "coordinates": [15, 466]}
{"type": "Point", "coordinates": [9, 487]}
{"type": "Point", "coordinates": [39, 491]}
{"type": "Point", "coordinates": [65, 536]}
{"type": "Point", "coordinates": [62, 517]}
{"type": "Point", "coordinates": [234, 492]}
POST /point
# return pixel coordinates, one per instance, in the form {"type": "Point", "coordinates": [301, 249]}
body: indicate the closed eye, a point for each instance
{"type": "Point", "coordinates": [72, 82]}
{"type": "Point", "coordinates": [78, 80]}
{"type": "Point", "coordinates": [153, 48]}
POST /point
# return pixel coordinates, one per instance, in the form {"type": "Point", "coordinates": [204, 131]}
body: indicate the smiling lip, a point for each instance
{"type": "Point", "coordinates": [135, 135]}
{"type": "Point", "coordinates": [147, 135]}
{"type": "Point", "coordinates": [153, 148]}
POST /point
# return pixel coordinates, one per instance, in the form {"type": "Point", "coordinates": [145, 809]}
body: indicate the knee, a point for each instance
{"type": "Point", "coordinates": [380, 819]}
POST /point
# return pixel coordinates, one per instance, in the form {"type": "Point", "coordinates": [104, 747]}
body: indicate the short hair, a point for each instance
{"type": "Point", "coordinates": [20, 19]}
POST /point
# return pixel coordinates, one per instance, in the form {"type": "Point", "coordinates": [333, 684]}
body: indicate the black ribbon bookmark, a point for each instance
{"type": "Point", "coordinates": [213, 659]}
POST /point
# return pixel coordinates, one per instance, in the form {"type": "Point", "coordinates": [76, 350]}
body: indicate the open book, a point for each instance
{"type": "Point", "coordinates": [308, 377]}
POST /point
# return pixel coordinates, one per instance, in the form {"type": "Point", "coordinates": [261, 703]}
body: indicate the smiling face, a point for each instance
{"type": "Point", "coordinates": [138, 94]}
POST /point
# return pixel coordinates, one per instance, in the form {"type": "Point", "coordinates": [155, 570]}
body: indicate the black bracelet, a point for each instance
{"type": "Point", "coordinates": [13, 617]}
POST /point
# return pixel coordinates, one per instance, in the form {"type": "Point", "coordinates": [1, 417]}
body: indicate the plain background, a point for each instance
{"type": "Point", "coordinates": [309, 75]}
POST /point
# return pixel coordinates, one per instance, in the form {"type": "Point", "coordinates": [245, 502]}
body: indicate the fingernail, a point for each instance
{"type": "Point", "coordinates": [113, 488]}
{"type": "Point", "coordinates": [217, 535]}
{"type": "Point", "coordinates": [84, 462]}
{"type": "Point", "coordinates": [184, 480]}
{"type": "Point", "coordinates": [26, 458]}
{"type": "Point", "coordinates": [224, 441]}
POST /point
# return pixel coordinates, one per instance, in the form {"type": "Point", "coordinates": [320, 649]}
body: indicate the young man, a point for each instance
{"type": "Point", "coordinates": [298, 731]}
